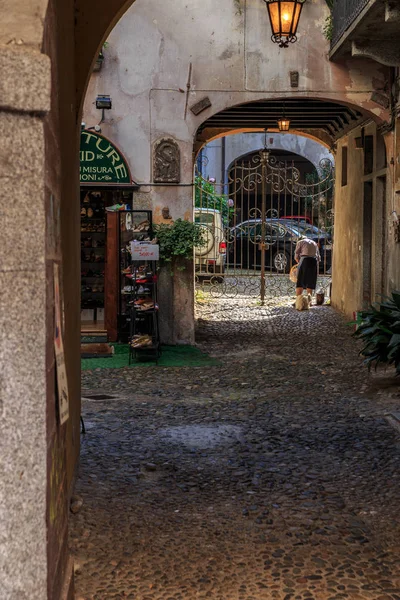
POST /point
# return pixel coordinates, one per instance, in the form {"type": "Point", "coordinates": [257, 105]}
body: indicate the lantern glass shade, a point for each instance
{"type": "Point", "coordinates": [283, 124]}
{"type": "Point", "coordinates": [284, 16]}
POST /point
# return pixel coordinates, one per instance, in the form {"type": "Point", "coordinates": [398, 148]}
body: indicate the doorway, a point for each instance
{"type": "Point", "coordinates": [94, 204]}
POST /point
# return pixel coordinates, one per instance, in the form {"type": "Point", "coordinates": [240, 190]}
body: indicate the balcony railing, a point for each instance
{"type": "Point", "coordinates": [344, 14]}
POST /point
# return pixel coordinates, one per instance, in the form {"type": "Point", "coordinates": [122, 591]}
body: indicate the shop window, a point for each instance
{"type": "Point", "coordinates": [344, 166]}
{"type": "Point", "coordinates": [368, 154]}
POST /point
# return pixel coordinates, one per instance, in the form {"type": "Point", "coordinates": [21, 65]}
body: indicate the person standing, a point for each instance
{"type": "Point", "coordinates": [308, 257]}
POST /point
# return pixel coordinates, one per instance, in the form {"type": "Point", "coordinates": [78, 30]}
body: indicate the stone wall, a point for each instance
{"type": "Point", "coordinates": [38, 206]}
{"type": "Point", "coordinates": [24, 102]}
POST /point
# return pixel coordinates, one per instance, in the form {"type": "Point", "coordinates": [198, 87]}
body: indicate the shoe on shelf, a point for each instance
{"type": "Point", "coordinates": [114, 208]}
{"type": "Point", "coordinates": [147, 305]}
{"type": "Point", "coordinates": [143, 226]}
{"type": "Point", "coordinates": [143, 290]}
{"type": "Point", "coordinates": [141, 341]}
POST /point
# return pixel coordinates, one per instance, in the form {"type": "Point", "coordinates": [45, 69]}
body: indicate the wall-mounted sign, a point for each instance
{"type": "Point", "coordinates": [101, 162]}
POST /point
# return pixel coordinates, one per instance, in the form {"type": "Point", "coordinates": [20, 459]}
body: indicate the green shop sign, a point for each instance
{"type": "Point", "coordinates": [101, 161]}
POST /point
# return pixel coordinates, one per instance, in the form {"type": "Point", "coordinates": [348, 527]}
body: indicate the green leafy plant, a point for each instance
{"type": "Point", "coordinates": [207, 197]}
{"type": "Point", "coordinates": [328, 27]}
{"type": "Point", "coordinates": [101, 55]}
{"type": "Point", "coordinates": [379, 329]}
{"type": "Point", "coordinates": [177, 241]}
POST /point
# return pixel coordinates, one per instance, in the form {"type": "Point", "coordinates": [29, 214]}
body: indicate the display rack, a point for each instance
{"type": "Point", "coordinates": [93, 247]}
{"type": "Point", "coordinates": [123, 227]}
{"type": "Point", "coordinates": [144, 339]}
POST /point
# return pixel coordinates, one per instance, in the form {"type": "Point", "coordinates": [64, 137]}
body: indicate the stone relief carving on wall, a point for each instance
{"type": "Point", "coordinates": [166, 161]}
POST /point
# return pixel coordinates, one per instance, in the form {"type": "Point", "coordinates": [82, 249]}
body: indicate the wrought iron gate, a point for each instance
{"type": "Point", "coordinates": [252, 222]}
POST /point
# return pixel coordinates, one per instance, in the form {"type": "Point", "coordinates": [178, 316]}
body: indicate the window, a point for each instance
{"type": "Point", "coordinates": [204, 218]}
{"type": "Point", "coordinates": [344, 166]}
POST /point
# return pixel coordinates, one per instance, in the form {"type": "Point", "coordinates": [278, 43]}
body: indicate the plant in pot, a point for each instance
{"type": "Point", "coordinates": [379, 329]}
{"type": "Point", "coordinates": [100, 59]}
{"type": "Point", "coordinates": [177, 242]}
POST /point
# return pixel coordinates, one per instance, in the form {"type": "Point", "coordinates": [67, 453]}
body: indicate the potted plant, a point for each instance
{"type": "Point", "coordinates": [177, 242]}
{"type": "Point", "coordinates": [379, 329]}
{"type": "Point", "coordinates": [100, 59]}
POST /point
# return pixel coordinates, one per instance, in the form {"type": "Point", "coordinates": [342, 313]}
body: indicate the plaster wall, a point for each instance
{"type": "Point", "coordinates": [393, 251]}
{"type": "Point", "coordinates": [349, 292]}
{"type": "Point", "coordinates": [163, 58]}
{"type": "Point", "coordinates": [62, 248]}
{"type": "Point", "coordinates": [147, 65]}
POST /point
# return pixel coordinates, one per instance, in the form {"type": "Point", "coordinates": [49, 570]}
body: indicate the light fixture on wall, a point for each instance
{"type": "Point", "coordinates": [284, 16]}
{"type": "Point", "coordinates": [103, 102]}
{"type": "Point", "coordinates": [283, 122]}
{"type": "Point", "coordinates": [264, 152]}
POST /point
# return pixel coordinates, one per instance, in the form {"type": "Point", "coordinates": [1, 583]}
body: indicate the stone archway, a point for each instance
{"type": "Point", "coordinates": [41, 135]}
{"type": "Point", "coordinates": [227, 149]}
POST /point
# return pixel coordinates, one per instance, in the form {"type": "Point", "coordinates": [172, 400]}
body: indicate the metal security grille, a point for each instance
{"type": "Point", "coordinates": [252, 223]}
{"type": "Point", "coordinates": [344, 13]}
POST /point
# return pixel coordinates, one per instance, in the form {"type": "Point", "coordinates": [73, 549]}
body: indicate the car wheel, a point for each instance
{"type": "Point", "coordinates": [281, 262]}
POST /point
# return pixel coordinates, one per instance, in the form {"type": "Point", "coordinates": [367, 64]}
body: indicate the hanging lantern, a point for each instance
{"type": "Point", "coordinates": [283, 124]}
{"type": "Point", "coordinates": [284, 16]}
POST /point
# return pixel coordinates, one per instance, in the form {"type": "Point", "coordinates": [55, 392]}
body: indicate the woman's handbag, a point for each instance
{"type": "Point", "coordinates": [293, 273]}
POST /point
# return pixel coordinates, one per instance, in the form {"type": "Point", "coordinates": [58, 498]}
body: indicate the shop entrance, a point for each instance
{"type": "Point", "coordinates": [251, 225]}
{"type": "Point", "coordinates": [106, 185]}
{"type": "Point", "coordinates": [94, 202]}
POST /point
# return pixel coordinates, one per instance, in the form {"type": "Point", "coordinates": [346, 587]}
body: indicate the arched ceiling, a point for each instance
{"type": "Point", "coordinates": [305, 114]}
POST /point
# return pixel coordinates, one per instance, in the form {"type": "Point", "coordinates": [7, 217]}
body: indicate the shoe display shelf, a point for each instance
{"type": "Point", "coordinates": [93, 247]}
{"type": "Point", "coordinates": [144, 341]}
{"type": "Point", "coordinates": [123, 227]}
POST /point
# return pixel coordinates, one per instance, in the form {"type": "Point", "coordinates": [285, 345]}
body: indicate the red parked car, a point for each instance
{"type": "Point", "coordinates": [298, 218]}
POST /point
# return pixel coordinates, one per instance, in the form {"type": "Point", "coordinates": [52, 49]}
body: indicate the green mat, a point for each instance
{"type": "Point", "coordinates": [172, 356]}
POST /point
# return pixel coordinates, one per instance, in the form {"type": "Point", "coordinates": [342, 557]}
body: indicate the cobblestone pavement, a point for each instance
{"type": "Point", "coordinates": [273, 475]}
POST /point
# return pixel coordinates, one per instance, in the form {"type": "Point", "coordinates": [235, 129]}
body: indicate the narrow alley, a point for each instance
{"type": "Point", "coordinates": [271, 475]}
